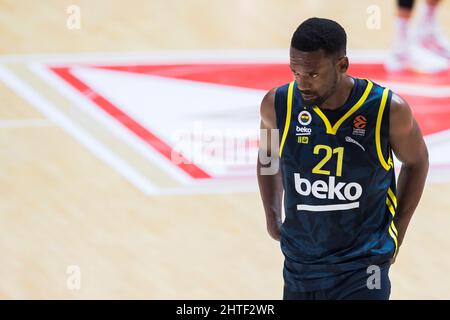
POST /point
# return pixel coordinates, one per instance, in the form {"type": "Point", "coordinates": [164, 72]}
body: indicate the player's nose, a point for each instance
{"type": "Point", "coordinates": [304, 84]}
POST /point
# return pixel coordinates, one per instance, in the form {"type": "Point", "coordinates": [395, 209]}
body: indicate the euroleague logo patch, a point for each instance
{"type": "Point", "coordinates": [304, 118]}
{"type": "Point", "coordinates": [360, 122]}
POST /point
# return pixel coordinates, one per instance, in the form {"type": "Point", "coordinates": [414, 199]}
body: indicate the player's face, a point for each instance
{"type": "Point", "coordinates": [317, 74]}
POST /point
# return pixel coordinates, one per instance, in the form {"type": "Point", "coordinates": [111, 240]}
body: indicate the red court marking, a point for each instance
{"type": "Point", "coordinates": [267, 76]}
{"type": "Point", "coordinates": [251, 76]}
{"type": "Point", "coordinates": [433, 114]}
{"type": "Point", "coordinates": [144, 134]}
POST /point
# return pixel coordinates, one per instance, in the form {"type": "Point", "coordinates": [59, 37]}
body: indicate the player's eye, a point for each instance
{"type": "Point", "coordinates": [314, 75]}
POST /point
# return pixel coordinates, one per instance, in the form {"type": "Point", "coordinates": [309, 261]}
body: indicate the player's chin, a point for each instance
{"type": "Point", "coordinates": [311, 102]}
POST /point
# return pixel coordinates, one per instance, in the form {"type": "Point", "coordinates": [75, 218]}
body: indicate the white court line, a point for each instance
{"type": "Point", "coordinates": [87, 106]}
{"type": "Point", "coordinates": [25, 123]}
{"type": "Point", "coordinates": [43, 105]}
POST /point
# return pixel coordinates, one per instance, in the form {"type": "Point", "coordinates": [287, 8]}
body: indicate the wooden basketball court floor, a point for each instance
{"type": "Point", "coordinates": [61, 206]}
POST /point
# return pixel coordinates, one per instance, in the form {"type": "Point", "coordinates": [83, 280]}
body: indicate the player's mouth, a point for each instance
{"type": "Point", "coordinates": [308, 97]}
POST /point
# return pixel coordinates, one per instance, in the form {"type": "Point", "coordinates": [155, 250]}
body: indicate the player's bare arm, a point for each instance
{"type": "Point", "coordinates": [409, 146]}
{"type": "Point", "coordinates": [270, 184]}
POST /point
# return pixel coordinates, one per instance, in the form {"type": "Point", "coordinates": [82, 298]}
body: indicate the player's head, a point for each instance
{"type": "Point", "coordinates": [318, 58]}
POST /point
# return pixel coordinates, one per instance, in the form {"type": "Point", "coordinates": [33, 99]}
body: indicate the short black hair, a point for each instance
{"type": "Point", "coordinates": [318, 33]}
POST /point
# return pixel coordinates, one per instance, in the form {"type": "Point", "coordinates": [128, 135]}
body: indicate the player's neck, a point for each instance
{"type": "Point", "coordinates": [341, 95]}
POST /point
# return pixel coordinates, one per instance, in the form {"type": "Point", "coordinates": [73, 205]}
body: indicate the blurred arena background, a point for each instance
{"type": "Point", "coordinates": [91, 205]}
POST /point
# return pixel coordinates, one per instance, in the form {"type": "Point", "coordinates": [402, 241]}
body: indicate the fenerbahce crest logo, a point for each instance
{"type": "Point", "coordinates": [304, 118]}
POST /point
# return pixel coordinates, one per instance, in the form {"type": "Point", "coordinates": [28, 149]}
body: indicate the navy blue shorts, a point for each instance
{"type": "Point", "coordinates": [359, 285]}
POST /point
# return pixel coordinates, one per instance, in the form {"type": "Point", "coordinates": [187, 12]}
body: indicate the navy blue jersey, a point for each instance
{"type": "Point", "coordinates": [339, 185]}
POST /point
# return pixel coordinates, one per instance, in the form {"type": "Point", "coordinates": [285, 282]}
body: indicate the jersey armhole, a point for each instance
{"type": "Point", "coordinates": [287, 119]}
{"type": "Point", "coordinates": [383, 120]}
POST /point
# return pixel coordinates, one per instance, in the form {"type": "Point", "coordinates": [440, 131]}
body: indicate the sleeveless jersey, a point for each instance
{"type": "Point", "coordinates": [339, 186]}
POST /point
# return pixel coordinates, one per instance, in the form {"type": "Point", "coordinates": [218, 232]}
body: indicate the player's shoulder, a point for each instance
{"type": "Point", "coordinates": [268, 100]}
{"type": "Point", "coordinates": [269, 103]}
{"type": "Point", "coordinates": [382, 95]}
{"type": "Point", "coordinates": [376, 88]}
{"type": "Point", "coordinates": [283, 88]}
{"type": "Point", "coordinates": [396, 101]}
{"type": "Point", "coordinates": [276, 93]}
{"type": "Point", "coordinates": [267, 109]}
{"type": "Point", "coordinates": [399, 109]}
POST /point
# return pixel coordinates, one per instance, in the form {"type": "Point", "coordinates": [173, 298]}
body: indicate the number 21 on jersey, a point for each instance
{"type": "Point", "coordinates": [329, 152]}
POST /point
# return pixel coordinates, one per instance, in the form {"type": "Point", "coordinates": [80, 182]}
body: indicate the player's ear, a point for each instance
{"type": "Point", "coordinates": [342, 64]}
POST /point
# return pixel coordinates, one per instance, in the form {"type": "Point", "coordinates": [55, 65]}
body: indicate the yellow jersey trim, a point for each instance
{"type": "Point", "coordinates": [385, 164]}
{"type": "Point", "coordinates": [288, 115]}
{"type": "Point", "coordinates": [393, 236]}
{"type": "Point", "coordinates": [392, 197]}
{"type": "Point", "coordinates": [333, 129]}
{"type": "Point", "coordinates": [392, 229]}
{"type": "Point", "coordinates": [392, 210]}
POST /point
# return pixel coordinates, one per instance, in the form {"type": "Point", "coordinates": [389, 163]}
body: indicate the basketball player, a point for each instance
{"type": "Point", "coordinates": [425, 50]}
{"type": "Point", "coordinates": [345, 220]}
